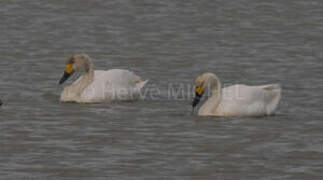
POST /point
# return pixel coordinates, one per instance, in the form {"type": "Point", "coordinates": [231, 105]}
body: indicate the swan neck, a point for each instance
{"type": "Point", "coordinates": [211, 105]}
{"type": "Point", "coordinates": [88, 65]}
{"type": "Point", "coordinates": [87, 77]}
{"type": "Point", "coordinates": [217, 91]}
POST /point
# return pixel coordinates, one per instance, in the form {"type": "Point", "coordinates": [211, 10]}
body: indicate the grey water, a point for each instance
{"type": "Point", "coordinates": [170, 43]}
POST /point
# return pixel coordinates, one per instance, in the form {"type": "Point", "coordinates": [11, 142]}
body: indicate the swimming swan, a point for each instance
{"type": "Point", "coordinates": [236, 100]}
{"type": "Point", "coordinates": [98, 86]}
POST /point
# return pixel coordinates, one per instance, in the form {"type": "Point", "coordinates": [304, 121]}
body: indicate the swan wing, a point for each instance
{"type": "Point", "coordinates": [243, 100]}
{"type": "Point", "coordinates": [114, 84]}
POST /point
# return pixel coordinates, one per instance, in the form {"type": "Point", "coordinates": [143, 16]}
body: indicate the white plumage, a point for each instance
{"type": "Point", "coordinates": [100, 86]}
{"type": "Point", "coordinates": [238, 100]}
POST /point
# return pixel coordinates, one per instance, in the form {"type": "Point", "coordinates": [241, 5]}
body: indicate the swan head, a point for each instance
{"type": "Point", "coordinates": [205, 81]}
{"type": "Point", "coordinates": [75, 63]}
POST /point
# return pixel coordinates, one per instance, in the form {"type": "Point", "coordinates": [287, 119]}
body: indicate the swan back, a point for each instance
{"type": "Point", "coordinates": [115, 84]}
{"type": "Point", "coordinates": [243, 100]}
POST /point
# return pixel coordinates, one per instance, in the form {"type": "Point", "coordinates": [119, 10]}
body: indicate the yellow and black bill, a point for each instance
{"type": "Point", "coordinates": [198, 95]}
{"type": "Point", "coordinates": [67, 73]}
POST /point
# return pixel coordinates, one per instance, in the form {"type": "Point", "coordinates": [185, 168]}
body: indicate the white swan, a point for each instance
{"type": "Point", "coordinates": [98, 86]}
{"type": "Point", "coordinates": [236, 100]}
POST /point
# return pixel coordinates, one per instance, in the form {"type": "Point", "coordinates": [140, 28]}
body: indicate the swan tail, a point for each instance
{"type": "Point", "coordinates": [141, 84]}
{"type": "Point", "coordinates": [272, 97]}
{"type": "Point", "coordinates": [272, 87]}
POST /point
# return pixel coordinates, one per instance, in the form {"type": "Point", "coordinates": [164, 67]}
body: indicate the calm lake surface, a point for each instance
{"type": "Point", "coordinates": [170, 43]}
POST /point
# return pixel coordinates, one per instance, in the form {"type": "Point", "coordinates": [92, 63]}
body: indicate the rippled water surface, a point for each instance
{"type": "Point", "coordinates": [170, 43]}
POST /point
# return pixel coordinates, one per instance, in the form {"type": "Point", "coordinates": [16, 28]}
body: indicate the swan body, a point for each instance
{"type": "Point", "coordinates": [99, 86]}
{"type": "Point", "coordinates": [237, 100]}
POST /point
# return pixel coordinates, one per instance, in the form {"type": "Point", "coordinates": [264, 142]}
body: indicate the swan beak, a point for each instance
{"type": "Point", "coordinates": [64, 77]}
{"type": "Point", "coordinates": [198, 95]}
{"type": "Point", "coordinates": [67, 73]}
